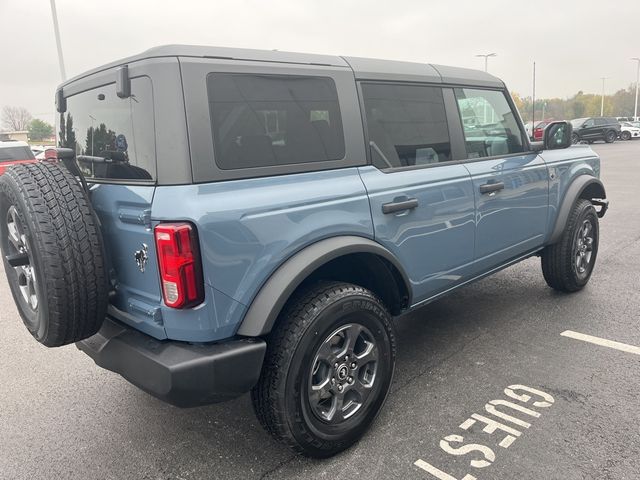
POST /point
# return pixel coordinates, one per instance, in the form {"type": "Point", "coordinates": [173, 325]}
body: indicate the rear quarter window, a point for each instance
{"type": "Point", "coordinates": [271, 120]}
{"type": "Point", "coordinates": [113, 137]}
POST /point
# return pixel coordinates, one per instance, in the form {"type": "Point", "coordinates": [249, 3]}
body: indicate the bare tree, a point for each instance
{"type": "Point", "coordinates": [16, 118]}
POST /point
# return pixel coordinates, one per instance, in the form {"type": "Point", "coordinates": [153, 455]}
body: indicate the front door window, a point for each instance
{"type": "Point", "coordinates": [490, 125]}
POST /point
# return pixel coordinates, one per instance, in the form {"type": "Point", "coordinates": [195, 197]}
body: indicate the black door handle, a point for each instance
{"type": "Point", "coordinates": [393, 207]}
{"type": "Point", "coordinates": [491, 187]}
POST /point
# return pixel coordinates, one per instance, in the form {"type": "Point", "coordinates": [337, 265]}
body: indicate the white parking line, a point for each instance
{"type": "Point", "coordinates": [601, 341]}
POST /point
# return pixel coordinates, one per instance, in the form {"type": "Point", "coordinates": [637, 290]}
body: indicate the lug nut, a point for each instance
{"type": "Point", "coordinates": [350, 380]}
{"type": "Point", "coordinates": [340, 387]}
{"type": "Point", "coordinates": [346, 358]}
{"type": "Point", "coordinates": [335, 365]}
{"type": "Point", "coordinates": [333, 381]}
{"type": "Point", "coordinates": [353, 365]}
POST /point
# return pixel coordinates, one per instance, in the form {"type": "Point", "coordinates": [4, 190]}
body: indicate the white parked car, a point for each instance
{"type": "Point", "coordinates": [629, 131]}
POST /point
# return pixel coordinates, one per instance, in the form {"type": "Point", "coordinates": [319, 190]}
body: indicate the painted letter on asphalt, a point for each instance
{"type": "Point", "coordinates": [464, 449]}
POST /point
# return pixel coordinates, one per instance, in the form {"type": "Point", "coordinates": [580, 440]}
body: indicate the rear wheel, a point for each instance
{"type": "Point", "coordinates": [567, 265]}
{"type": "Point", "coordinates": [328, 369]}
{"type": "Point", "coordinates": [52, 252]}
{"type": "Point", "coordinates": [625, 135]}
{"type": "Point", "coordinates": [575, 138]}
{"type": "Point", "coordinates": [610, 136]}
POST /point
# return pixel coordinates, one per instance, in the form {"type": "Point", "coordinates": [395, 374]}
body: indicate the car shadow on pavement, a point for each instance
{"type": "Point", "coordinates": [228, 438]}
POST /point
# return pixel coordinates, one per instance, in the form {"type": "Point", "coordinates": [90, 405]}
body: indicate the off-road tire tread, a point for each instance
{"type": "Point", "coordinates": [556, 259]}
{"type": "Point", "coordinates": [66, 232]}
{"type": "Point", "coordinates": [268, 395]}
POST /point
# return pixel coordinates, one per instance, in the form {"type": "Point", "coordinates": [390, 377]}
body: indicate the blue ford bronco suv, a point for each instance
{"type": "Point", "coordinates": [224, 221]}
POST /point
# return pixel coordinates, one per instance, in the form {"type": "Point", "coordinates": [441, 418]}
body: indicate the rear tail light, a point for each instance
{"type": "Point", "coordinates": [51, 154]}
{"type": "Point", "coordinates": [180, 264]}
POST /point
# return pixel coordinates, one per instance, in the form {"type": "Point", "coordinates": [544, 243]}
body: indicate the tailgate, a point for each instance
{"type": "Point", "coordinates": [125, 216]}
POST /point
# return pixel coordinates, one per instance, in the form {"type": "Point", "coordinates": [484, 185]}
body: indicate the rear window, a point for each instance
{"type": "Point", "coordinates": [268, 120]}
{"type": "Point", "coordinates": [8, 154]}
{"type": "Point", "coordinates": [113, 137]}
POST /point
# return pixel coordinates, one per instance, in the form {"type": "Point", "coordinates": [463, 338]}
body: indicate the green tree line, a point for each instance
{"type": "Point", "coordinates": [620, 104]}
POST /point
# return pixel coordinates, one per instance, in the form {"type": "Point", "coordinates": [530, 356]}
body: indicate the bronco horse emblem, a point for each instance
{"type": "Point", "coordinates": [142, 257]}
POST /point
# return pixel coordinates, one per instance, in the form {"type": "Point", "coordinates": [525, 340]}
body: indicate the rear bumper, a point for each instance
{"type": "Point", "coordinates": [180, 373]}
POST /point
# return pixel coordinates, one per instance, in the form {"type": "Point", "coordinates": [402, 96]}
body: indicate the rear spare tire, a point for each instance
{"type": "Point", "coordinates": [52, 252]}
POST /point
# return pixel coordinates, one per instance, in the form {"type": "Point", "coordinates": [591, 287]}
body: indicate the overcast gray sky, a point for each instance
{"type": "Point", "coordinates": [574, 42]}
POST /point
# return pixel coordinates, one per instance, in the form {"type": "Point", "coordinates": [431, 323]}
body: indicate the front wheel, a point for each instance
{"type": "Point", "coordinates": [567, 264]}
{"type": "Point", "coordinates": [328, 369]}
{"type": "Point", "coordinates": [575, 139]}
{"type": "Point", "coordinates": [625, 135]}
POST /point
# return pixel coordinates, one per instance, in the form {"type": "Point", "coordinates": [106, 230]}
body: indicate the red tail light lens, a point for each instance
{"type": "Point", "coordinates": [180, 264]}
{"type": "Point", "coordinates": [51, 154]}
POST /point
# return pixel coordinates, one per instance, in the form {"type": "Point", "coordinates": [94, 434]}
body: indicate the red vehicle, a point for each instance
{"type": "Point", "coordinates": [13, 153]}
{"type": "Point", "coordinates": [538, 129]}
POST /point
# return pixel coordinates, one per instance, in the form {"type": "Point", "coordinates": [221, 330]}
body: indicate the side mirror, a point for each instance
{"type": "Point", "coordinates": [557, 135]}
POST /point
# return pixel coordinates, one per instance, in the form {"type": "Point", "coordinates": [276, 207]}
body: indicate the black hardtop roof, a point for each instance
{"type": "Point", "coordinates": [363, 68]}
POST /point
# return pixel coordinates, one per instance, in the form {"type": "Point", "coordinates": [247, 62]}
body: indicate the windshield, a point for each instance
{"type": "Point", "coordinates": [8, 154]}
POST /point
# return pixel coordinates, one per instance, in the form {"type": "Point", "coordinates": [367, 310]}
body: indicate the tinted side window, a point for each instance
{"type": "Point", "coordinates": [266, 120]}
{"type": "Point", "coordinates": [407, 125]}
{"type": "Point", "coordinates": [113, 137]}
{"type": "Point", "coordinates": [600, 121]}
{"type": "Point", "coordinates": [490, 125]}
{"type": "Point", "coordinates": [589, 123]}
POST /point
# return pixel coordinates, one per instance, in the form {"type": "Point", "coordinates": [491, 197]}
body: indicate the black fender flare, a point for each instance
{"type": "Point", "coordinates": [272, 296]}
{"type": "Point", "coordinates": [575, 191]}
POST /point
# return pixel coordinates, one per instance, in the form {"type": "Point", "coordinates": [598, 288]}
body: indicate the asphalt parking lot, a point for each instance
{"type": "Point", "coordinates": [61, 417]}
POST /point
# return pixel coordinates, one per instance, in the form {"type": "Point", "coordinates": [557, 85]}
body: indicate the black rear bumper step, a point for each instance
{"type": "Point", "coordinates": [180, 373]}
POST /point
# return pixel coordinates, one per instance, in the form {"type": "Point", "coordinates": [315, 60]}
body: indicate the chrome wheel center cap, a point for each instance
{"type": "Point", "coordinates": [342, 372]}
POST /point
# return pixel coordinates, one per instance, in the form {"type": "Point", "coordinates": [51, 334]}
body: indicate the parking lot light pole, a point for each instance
{"type": "Point", "coordinates": [56, 31]}
{"type": "Point", "coordinates": [635, 110]}
{"type": "Point", "coordinates": [602, 100]}
{"type": "Point", "coordinates": [486, 67]}
{"type": "Point", "coordinates": [486, 59]}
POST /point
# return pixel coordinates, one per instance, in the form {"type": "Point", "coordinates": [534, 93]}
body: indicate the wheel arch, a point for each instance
{"type": "Point", "coordinates": [335, 256]}
{"type": "Point", "coordinates": [585, 187]}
